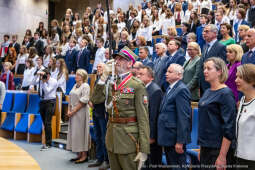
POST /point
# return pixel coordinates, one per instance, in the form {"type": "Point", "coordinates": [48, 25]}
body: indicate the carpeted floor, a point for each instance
{"type": "Point", "coordinates": [53, 159]}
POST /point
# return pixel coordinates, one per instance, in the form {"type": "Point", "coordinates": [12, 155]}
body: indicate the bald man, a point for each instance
{"type": "Point", "coordinates": [249, 57]}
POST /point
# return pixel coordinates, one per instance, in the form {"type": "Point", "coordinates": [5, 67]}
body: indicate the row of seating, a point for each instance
{"type": "Point", "coordinates": [21, 118]}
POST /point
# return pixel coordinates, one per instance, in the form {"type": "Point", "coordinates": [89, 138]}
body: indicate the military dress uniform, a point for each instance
{"type": "Point", "coordinates": [128, 124]}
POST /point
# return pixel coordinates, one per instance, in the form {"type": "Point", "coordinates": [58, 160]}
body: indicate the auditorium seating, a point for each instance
{"type": "Point", "coordinates": [70, 83]}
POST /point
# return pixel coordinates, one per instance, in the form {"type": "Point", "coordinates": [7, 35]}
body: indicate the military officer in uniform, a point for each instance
{"type": "Point", "coordinates": [125, 97]}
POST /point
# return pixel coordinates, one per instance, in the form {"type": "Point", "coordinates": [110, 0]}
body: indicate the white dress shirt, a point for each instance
{"type": "Point", "coordinates": [99, 57]}
{"type": "Point", "coordinates": [28, 77]}
{"type": "Point", "coordinates": [21, 59]}
{"type": "Point", "coordinates": [49, 88]}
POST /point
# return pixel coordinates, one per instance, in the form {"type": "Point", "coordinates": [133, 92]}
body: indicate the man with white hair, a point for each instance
{"type": "Point", "coordinates": [249, 57]}
{"type": "Point", "coordinates": [174, 128]}
{"type": "Point", "coordinates": [159, 63]}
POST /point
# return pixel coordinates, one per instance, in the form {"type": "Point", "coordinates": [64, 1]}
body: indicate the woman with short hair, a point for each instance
{"type": "Point", "coordinates": [192, 70]}
{"type": "Point", "coordinates": [234, 56]}
{"type": "Point", "coordinates": [245, 122]}
{"type": "Point", "coordinates": [217, 114]}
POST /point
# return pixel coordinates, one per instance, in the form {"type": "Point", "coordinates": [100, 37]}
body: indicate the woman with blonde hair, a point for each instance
{"type": "Point", "coordinates": [167, 21]}
{"type": "Point", "coordinates": [146, 30]}
{"type": "Point", "coordinates": [192, 70]}
{"type": "Point", "coordinates": [78, 113]}
{"type": "Point", "coordinates": [7, 76]}
{"type": "Point", "coordinates": [171, 32]}
{"type": "Point", "coordinates": [234, 56]}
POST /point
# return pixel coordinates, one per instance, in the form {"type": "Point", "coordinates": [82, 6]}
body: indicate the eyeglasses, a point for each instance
{"type": "Point", "coordinates": [189, 49]}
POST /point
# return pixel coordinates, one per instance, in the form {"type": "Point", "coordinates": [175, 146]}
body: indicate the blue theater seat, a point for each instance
{"type": "Point", "coordinates": [20, 102]}
{"type": "Point", "coordinates": [70, 83]}
{"type": "Point", "coordinates": [7, 104]}
{"type": "Point", "coordinates": [22, 125]}
{"type": "Point", "coordinates": [33, 104]}
{"type": "Point", "coordinates": [36, 126]}
{"type": "Point", "coordinates": [17, 81]}
{"type": "Point", "coordinates": [194, 132]}
{"type": "Point", "coordinates": [9, 121]}
{"type": "Point", "coordinates": [90, 68]}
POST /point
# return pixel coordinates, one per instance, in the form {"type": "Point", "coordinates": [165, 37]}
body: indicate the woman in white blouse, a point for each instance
{"type": "Point", "coordinates": [245, 121]}
{"type": "Point", "coordinates": [62, 75]}
{"type": "Point", "coordinates": [145, 30]}
{"type": "Point", "coordinates": [156, 24]}
{"type": "Point", "coordinates": [21, 61]}
{"type": "Point", "coordinates": [168, 21]}
{"type": "Point", "coordinates": [28, 74]}
{"type": "Point", "coordinates": [48, 54]}
{"type": "Point", "coordinates": [52, 68]}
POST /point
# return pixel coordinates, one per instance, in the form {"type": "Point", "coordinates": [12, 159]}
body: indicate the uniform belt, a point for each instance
{"type": "Point", "coordinates": [123, 120]}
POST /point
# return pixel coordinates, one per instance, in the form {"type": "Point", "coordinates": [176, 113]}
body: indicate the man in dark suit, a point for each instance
{"type": "Point", "coordinates": [38, 44]}
{"type": "Point", "coordinates": [251, 14]}
{"type": "Point", "coordinates": [249, 57]}
{"type": "Point", "coordinates": [70, 57]}
{"type": "Point", "coordinates": [174, 121]}
{"type": "Point", "coordinates": [143, 57]}
{"type": "Point", "coordinates": [15, 44]}
{"type": "Point", "coordinates": [175, 56]}
{"type": "Point", "coordinates": [212, 48]}
{"type": "Point", "coordinates": [83, 56]}
{"type": "Point", "coordinates": [146, 74]}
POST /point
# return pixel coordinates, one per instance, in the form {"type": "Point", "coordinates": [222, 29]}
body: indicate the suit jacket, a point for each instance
{"type": "Point", "coordinates": [155, 97]}
{"type": "Point", "coordinates": [246, 59]}
{"type": "Point", "coordinates": [191, 76]}
{"type": "Point", "coordinates": [174, 121]}
{"type": "Point", "coordinates": [83, 60]}
{"type": "Point", "coordinates": [178, 58]}
{"type": "Point", "coordinates": [236, 25]}
{"type": "Point", "coordinates": [146, 62]}
{"type": "Point", "coordinates": [158, 69]}
{"type": "Point", "coordinates": [39, 47]}
{"type": "Point", "coordinates": [200, 39]}
{"type": "Point", "coordinates": [16, 46]}
{"type": "Point", "coordinates": [217, 50]}
{"type": "Point", "coordinates": [70, 59]}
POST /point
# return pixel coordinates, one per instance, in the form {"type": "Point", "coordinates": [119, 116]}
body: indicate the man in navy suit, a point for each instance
{"type": "Point", "coordinates": [146, 74]}
{"type": "Point", "coordinates": [199, 31]}
{"type": "Point", "coordinates": [212, 48]}
{"type": "Point", "coordinates": [143, 57]}
{"type": "Point", "coordinates": [249, 57]}
{"type": "Point", "coordinates": [38, 44]}
{"type": "Point", "coordinates": [174, 121]}
{"type": "Point", "coordinates": [83, 56]}
{"type": "Point", "coordinates": [70, 57]}
{"type": "Point", "coordinates": [175, 56]}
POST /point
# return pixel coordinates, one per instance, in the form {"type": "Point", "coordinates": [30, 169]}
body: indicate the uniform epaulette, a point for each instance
{"type": "Point", "coordinates": [137, 79]}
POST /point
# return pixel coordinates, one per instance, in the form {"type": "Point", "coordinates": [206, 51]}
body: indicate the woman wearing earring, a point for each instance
{"type": "Point", "coordinates": [78, 113]}
{"type": "Point", "coordinates": [245, 121]}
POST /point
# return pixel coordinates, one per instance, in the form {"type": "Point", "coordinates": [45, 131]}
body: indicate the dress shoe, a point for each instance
{"type": "Point", "coordinates": [96, 164]}
{"type": "Point", "coordinates": [105, 165]}
{"type": "Point", "coordinates": [81, 161]}
{"type": "Point", "coordinates": [74, 159]}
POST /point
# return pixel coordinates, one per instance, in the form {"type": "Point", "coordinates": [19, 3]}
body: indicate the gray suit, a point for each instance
{"type": "Point", "coordinates": [191, 77]}
{"type": "Point", "coordinates": [158, 69]}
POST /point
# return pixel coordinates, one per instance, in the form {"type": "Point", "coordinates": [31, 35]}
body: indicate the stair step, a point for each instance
{"type": "Point", "coordinates": [59, 143]}
{"type": "Point", "coordinates": [63, 134]}
{"type": "Point", "coordinates": [64, 126]}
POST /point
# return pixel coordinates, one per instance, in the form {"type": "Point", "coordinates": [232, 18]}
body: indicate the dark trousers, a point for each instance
{"type": "Point", "coordinates": [100, 123]}
{"type": "Point", "coordinates": [174, 160]}
{"type": "Point", "coordinates": [47, 109]}
{"type": "Point", "coordinates": [154, 158]}
{"type": "Point", "coordinates": [208, 157]}
{"type": "Point", "coordinates": [242, 164]}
